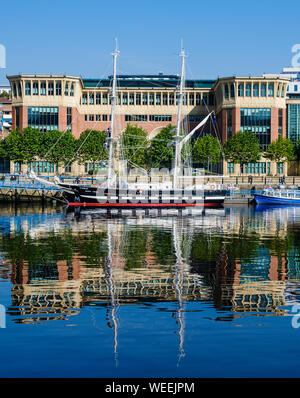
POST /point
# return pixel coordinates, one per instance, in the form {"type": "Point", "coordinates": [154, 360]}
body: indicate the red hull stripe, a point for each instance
{"type": "Point", "coordinates": [144, 204]}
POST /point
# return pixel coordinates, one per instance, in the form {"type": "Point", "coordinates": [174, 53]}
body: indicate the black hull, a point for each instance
{"type": "Point", "coordinates": [90, 196]}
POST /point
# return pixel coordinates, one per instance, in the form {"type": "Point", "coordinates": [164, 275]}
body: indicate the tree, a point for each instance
{"type": "Point", "coordinates": [58, 146]}
{"type": "Point", "coordinates": [4, 94]}
{"type": "Point", "coordinates": [133, 142]}
{"type": "Point", "coordinates": [91, 146]}
{"type": "Point", "coordinates": [159, 153]}
{"type": "Point", "coordinates": [281, 150]}
{"type": "Point", "coordinates": [207, 150]}
{"type": "Point", "coordinates": [242, 147]}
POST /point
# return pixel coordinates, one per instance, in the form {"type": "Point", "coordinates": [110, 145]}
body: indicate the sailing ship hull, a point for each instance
{"type": "Point", "coordinates": [273, 200]}
{"type": "Point", "coordinates": [90, 197]}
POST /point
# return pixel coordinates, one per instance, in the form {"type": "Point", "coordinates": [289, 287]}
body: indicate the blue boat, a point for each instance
{"type": "Point", "coordinates": [278, 197]}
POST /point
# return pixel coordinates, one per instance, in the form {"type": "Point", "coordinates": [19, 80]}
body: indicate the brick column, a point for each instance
{"type": "Point", "coordinates": [62, 118]}
{"type": "Point", "coordinates": [236, 120]}
{"type": "Point", "coordinates": [274, 124]}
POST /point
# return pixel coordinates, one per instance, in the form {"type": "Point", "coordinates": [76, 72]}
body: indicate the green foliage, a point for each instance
{"type": "Point", "coordinates": [22, 145]}
{"type": "Point", "coordinates": [281, 150]}
{"type": "Point", "coordinates": [4, 94]}
{"type": "Point", "coordinates": [58, 146]}
{"type": "Point", "coordinates": [297, 150]}
{"type": "Point", "coordinates": [133, 142]}
{"type": "Point", "coordinates": [159, 154]}
{"type": "Point", "coordinates": [242, 147]}
{"type": "Point", "coordinates": [90, 146]}
{"type": "Point", "coordinates": [207, 149]}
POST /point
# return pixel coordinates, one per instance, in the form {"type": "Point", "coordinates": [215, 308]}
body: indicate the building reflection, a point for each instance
{"type": "Point", "coordinates": [239, 261]}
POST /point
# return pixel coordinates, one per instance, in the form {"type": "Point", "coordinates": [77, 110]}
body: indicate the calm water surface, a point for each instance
{"type": "Point", "coordinates": [206, 294]}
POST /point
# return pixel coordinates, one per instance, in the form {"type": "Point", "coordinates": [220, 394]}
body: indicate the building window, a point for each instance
{"type": "Point", "coordinates": [68, 167]}
{"type": "Point", "coordinates": [58, 88]}
{"type": "Point", "coordinates": [136, 118]}
{"type": "Point", "coordinates": [84, 99]}
{"type": "Point", "coordinates": [85, 118]}
{"type": "Point", "coordinates": [104, 98]}
{"type": "Point", "coordinates": [43, 118]}
{"type": "Point", "coordinates": [19, 90]}
{"type": "Point", "coordinates": [171, 99]}
{"type": "Point", "coordinates": [125, 99]}
{"type": "Point", "coordinates": [293, 122]}
{"type": "Point", "coordinates": [98, 99]}
{"type": "Point", "coordinates": [282, 91]}
{"type": "Point", "coordinates": [280, 168]}
{"type": "Point", "coordinates": [255, 90]}
{"type": "Point", "coordinates": [35, 88]}
{"type": "Point", "coordinates": [43, 88]}
{"type": "Point", "coordinates": [248, 90]}
{"type": "Point", "coordinates": [72, 90]}
{"type": "Point", "coordinates": [211, 99]}
{"type": "Point", "coordinates": [93, 166]}
{"type": "Point", "coordinates": [165, 99]}
{"type": "Point", "coordinates": [145, 99]}
{"type": "Point", "coordinates": [204, 99]}
{"type": "Point", "coordinates": [263, 90]}
{"type": "Point", "coordinates": [230, 168]}
{"type": "Point", "coordinates": [191, 99]}
{"type": "Point", "coordinates": [104, 118]}
{"type": "Point", "coordinates": [15, 89]}
{"type": "Point", "coordinates": [229, 123]}
{"type": "Point", "coordinates": [50, 88]}
{"type": "Point", "coordinates": [91, 118]}
{"type": "Point", "coordinates": [160, 118]}
{"type": "Point", "coordinates": [138, 99]}
{"type": "Point", "coordinates": [232, 91]}
{"type": "Point", "coordinates": [27, 88]}
{"type": "Point", "coordinates": [17, 108]}
{"type": "Point", "coordinates": [91, 99]}
{"type": "Point", "coordinates": [17, 167]}
{"type": "Point", "coordinates": [42, 167]}
{"type": "Point", "coordinates": [271, 90]}
{"type": "Point", "coordinates": [280, 124]}
{"type": "Point", "coordinates": [69, 119]}
{"type": "Point", "coordinates": [255, 168]}
{"type": "Point", "coordinates": [198, 99]}
{"type": "Point", "coordinates": [226, 91]}
{"type": "Point", "coordinates": [158, 99]}
{"type": "Point", "coordinates": [241, 90]}
{"type": "Point", "coordinates": [151, 99]}
{"type": "Point", "coordinates": [67, 89]}
{"type": "Point", "coordinates": [98, 118]}
{"type": "Point", "coordinates": [131, 99]}
{"type": "Point", "coordinates": [258, 121]}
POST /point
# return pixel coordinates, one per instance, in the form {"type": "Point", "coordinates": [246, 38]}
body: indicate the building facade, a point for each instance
{"type": "Point", "coordinates": [257, 104]}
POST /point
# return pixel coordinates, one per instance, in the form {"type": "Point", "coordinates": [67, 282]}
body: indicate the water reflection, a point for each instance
{"type": "Point", "coordinates": [241, 260]}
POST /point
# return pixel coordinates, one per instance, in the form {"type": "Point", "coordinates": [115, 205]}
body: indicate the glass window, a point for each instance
{"type": "Point", "coordinates": [35, 88]}
{"type": "Point", "coordinates": [171, 99]}
{"type": "Point", "coordinates": [138, 99]}
{"type": "Point", "coordinates": [27, 88]}
{"type": "Point", "coordinates": [145, 99]}
{"type": "Point", "coordinates": [257, 120]}
{"type": "Point", "coordinates": [151, 99]}
{"type": "Point", "coordinates": [255, 90]}
{"type": "Point", "coordinates": [226, 91]}
{"type": "Point", "coordinates": [68, 167]}
{"type": "Point", "coordinates": [280, 168]}
{"type": "Point", "coordinates": [232, 91]}
{"type": "Point", "coordinates": [69, 119]}
{"type": "Point", "coordinates": [98, 118]}
{"type": "Point", "coordinates": [43, 88]}
{"type": "Point", "coordinates": [50, 88]}
{"type": "Point", "coordinates": [43, 118]}
{"type": "Point", "coordinates": [125, 99]}
{"type": "Point", "coordinates": [230, 167]}
{"type": "Point", "coordinates": [15, 89]}
{"type": "Point", "coordinates": [72, 90]}
{"type": "Point", "coordinates": [91, 118]}
{"type": "Point", "coordinates": [131, 99]}
{"type": "Point", "coordinates": [158, 99]}
{"type": "Point", "coordinates": [248, 90]}
{"type": "Point", "coordinates": [91, 99]}
{"type": "Point", "coordinates": [165, 99]}
{"type": "Point", "coordinates": [204, 99]}
{"type": "Point", "coordinates": [263, 90]}
{"type": "Point", "coordinates": [241, 90]}
{"type": "Point", "coordinates": [84, 98]}
{"type": "Point", "coordinates": [198, 99]}
{"type": "Point", "coordinates": [19, 90]}
{"type": "Point", "coordinates": [67, 89]}
{"type": "Point", "coordinates": [98, 99]}
{"type": "Point", "coordinates": [104, 99]}
{"type": "Point", "coordinates": [270, 90]}
{"type": "Point", "coordinates": [58, 88]}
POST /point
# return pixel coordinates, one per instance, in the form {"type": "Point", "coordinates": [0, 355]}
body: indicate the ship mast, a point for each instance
{"type": "Point", "coordinates": [113, 102]}
{"type": "Point", "coordinates": [177, 163]}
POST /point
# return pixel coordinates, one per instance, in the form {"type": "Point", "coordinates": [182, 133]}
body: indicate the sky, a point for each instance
{"type": "Point", "coordinates": [221, 38]}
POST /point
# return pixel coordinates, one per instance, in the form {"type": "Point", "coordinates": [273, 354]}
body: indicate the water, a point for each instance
{"type": "Point", "coordinates": [207, 294]}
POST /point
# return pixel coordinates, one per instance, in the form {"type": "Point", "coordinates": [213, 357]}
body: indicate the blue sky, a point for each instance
{"type": "Point", "coordinates": [222, 38]}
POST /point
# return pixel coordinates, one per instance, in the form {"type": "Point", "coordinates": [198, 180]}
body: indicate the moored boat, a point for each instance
{"type": "Point", "coordinates": [278, 197]}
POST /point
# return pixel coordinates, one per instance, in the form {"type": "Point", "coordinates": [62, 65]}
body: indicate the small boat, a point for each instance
{"type": "Point", "coordinates": [282, 196]}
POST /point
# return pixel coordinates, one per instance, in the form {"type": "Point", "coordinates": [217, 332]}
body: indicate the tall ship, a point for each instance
{"type": "Point", "coordinates": [116, 191]}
